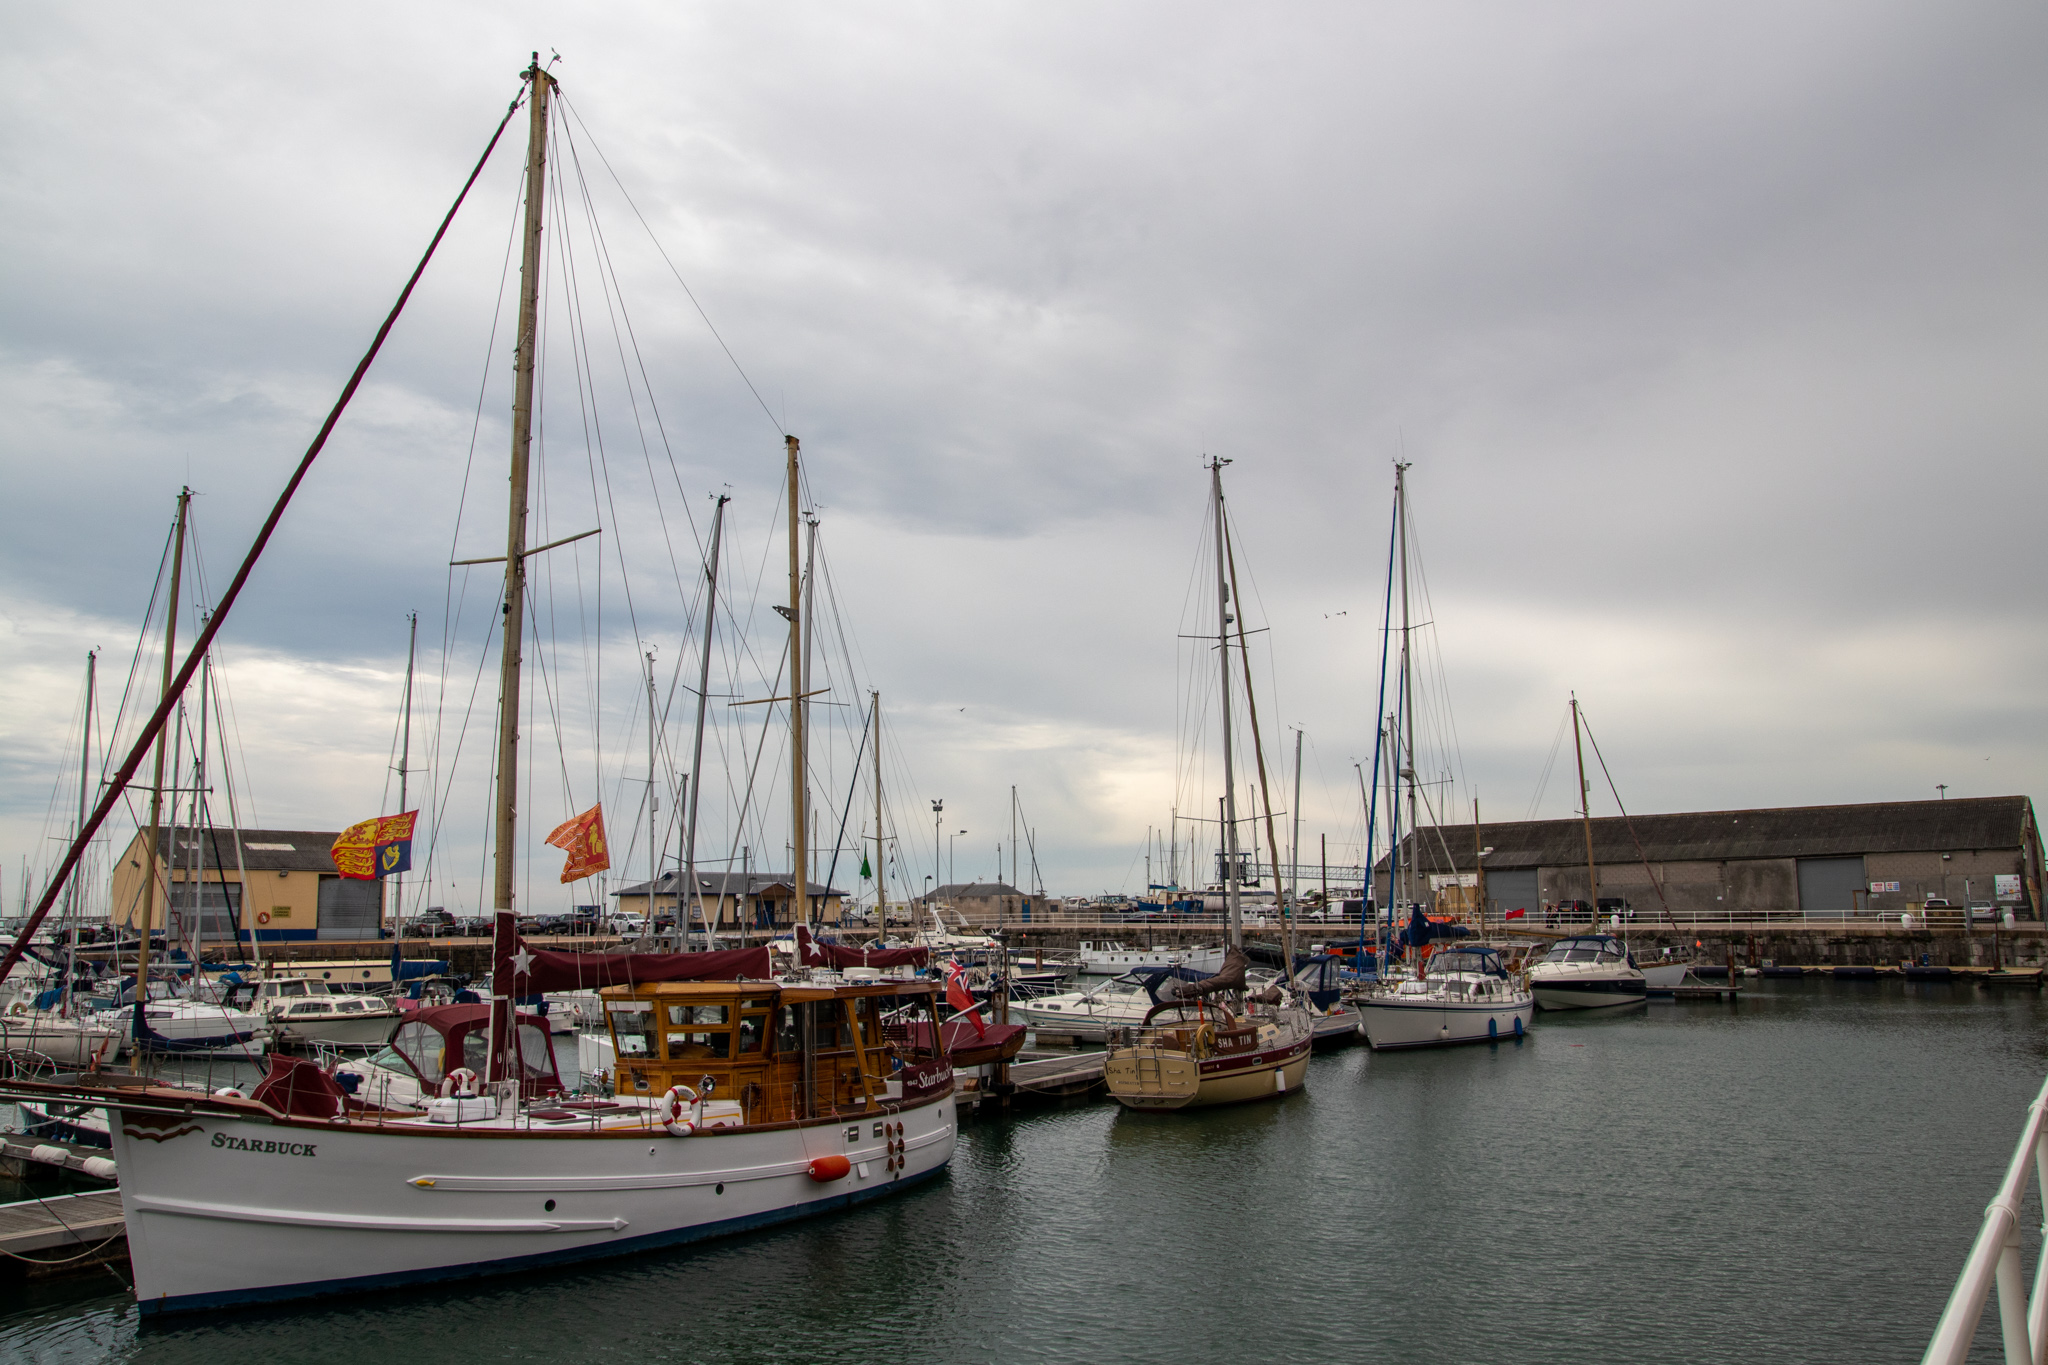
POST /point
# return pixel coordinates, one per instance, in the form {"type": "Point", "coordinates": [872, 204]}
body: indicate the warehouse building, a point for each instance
{"type": "Point", "coordinates": [734, 900]}
{"type": "Point", "coordinates": [293, 891]}
{"type": "Point", "coordinates": [1884, 859]}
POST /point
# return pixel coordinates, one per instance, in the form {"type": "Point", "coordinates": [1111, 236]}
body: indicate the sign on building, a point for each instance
{"type": "Point", "coordinates": [2008, 885]}
{"type": "Point", "coordinates": [1880, 888]}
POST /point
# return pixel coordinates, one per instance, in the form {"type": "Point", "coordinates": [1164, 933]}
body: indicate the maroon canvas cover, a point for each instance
{"type": "Point", "coordinates": [532, 971]}
{"type": "Point", "coordinates": [812, 953]}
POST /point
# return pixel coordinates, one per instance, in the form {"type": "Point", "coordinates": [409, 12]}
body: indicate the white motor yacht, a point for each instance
{"type": "Point", "coordinates": [1464, 994]}
{"type": "Point", "coordinates": [1114, 959]}
{"type": "Point", "coordinates": [1120, 1002]}
{"type": "Point", "coordinates": [1591, 971]}
{"type": "Point", "coordinates": [303, 1012]}
{"type": "Point", "coordinates": [190, 1026]}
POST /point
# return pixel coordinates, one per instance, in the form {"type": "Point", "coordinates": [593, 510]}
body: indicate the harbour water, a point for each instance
{"type": "Point", "coordinates": [1795, 1177]}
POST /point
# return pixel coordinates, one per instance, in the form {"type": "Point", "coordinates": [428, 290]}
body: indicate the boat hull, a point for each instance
{"type": "Point", "coordinates": [1340, 1027]}
{"type": "Point", "coordinates": [227, 1209]}
{"type": "Point", "coordinates": [1153, 1077]}
{"type": "Point", "coordinates": [341, 1031]}
{"type": "Point", "coordinates": [1590, 993]}
{"type": "Point", "coordinates": [1391, 1023]}
{"type": "Point", "coordinates": [62, 1041]}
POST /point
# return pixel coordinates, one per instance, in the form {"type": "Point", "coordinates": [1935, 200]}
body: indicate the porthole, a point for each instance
{"type": "Point", "coordinates": [549, 1206]}
{"type": "Point", "coordinates": [718, 1189]}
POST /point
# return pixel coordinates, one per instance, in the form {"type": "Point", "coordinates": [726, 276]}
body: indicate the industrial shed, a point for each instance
{"type": "Point", "coordinates": [293, 889]}
{"type": "Point", "coordinates": [1880, 858]}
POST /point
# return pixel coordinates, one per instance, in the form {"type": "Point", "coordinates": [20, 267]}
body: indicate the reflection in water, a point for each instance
{"type": "Point", "coordinates": [1792, 1178]}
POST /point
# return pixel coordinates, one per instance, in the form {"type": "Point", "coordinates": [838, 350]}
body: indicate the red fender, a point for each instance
{"type": "Point", "coordinates": [827, 1169]}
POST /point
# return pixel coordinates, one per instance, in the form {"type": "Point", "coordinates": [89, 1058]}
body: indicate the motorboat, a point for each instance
{"type": "Point", "coordinates": [1114, 959]}
{"type": "Point", "coordinates": [188, 1025]}
{"type": "Point", "coordinates": [1462, 994]}
{"type": "Point", "coordinates": [306, 1013]}
{"type": "Point", "coordinates": [1120, 1002]}
{"type": "Point", "coordinates": [1590, 971]}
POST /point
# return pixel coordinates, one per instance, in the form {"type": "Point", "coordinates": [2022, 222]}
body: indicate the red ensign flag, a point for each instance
{"type": "Point", "coordinates": [583, 839]}
{"type": "Point", "coordinates": [961, 998]}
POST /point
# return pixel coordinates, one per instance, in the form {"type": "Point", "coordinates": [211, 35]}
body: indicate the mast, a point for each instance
{"type": "Point", "coordinates": [1294, 842]}
{"type": "Point", "coordinates": [71, 908]}
{"type": "Point", "coordinates": [1478, 865]}
{"type": "Point", "coordinates": [697, 743]}
{"type": "Point", "coordinates": [1586, 810]}
{"type": "Point", "coordinates": [1407, 707]}
{"type": "Point", "coordinates": [412, 645]}
{"type": "Point", "coordinates": [1265, 794]}
{"type": "Point", "coordinates": [506, 847]}
{"type": "Point", "coordinates": [800, 871]}
{"type": "Point", "coordinates": [653, 801]}
{"type": "Point", "coordinates": [156, 794]}
{"type": "Point", "coordinates": [1223, 620]}
{"type": "Point", "coordinates": [881, 849]}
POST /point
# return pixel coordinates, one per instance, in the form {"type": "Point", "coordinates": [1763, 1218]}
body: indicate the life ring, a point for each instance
{"type": "Point", "coordinates": [263, 917]}
{"type": "Point", "coordinates": [678, 1099]}
{"type": "Point", "coordinates": [1205, 1040]}
{"type": "Point", "coordinates": [18, 1008]}
{"type": "Point", "coordinates": [460, 1081]}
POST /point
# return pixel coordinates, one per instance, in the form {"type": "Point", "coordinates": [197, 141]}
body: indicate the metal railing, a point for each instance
{"type": "Point", "coordinates": [1995, 1259]}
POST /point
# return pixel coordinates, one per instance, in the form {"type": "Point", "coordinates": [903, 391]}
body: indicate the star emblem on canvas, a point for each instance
{"type": "Point", "coordinates": [521, 961]}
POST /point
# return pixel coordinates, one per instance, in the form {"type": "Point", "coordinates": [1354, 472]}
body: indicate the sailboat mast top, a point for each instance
{"type": "Point", "coordinates": [881, 846]}
{"type": "Point", "coordinates": [1407, 707]}
{"type": "Point", "coordinates": [505, 844]}
{"type": "Point", "coordinates": [800, 871]}
{"type": "Point", "coordinates": [1586, 810]}
{"type": "Point", "coordinates": [1223, 619]}
{"type": "Point", "coordinates": [697, 740]}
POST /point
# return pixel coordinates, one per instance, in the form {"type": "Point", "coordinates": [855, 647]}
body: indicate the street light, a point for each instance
{"type": "Point", "coordinates": [949, 855]}
{"type": "Point", "coordinates": [938, 808]}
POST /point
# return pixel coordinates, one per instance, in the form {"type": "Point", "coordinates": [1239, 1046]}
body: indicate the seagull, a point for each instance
{"type": "Point", "coordinates": [1328, 614]}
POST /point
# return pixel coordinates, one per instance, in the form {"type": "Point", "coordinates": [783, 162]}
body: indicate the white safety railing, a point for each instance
{"type": "Point", "coordinates": [1995, 1258]}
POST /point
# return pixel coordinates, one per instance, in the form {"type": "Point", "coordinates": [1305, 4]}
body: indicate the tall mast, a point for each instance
{"type": "Point", "coordinates": [1407, 680]}
{"type": "Point", "coordinates": [540, 87]}
{"type": "Point", "coordinates": [1223, 620]}
{"type": "Point", "coordinates": [412, 645]}
{"type": "Point", "coordinates": [1478, 865]}
{"type": "Point", "coordinates": [653, 800]}
{"type": "Point", "coordinates": [881, 849]}
{"type": "Point", "coordinates": [72, 911]}
{"type": "Point", "coordinates": [156, 794]}
{"type": "Point", "coordinates": [1586, 810]}
{"type": "Point", "coordinates": [1251, 705]}
{"type": "Point", "coordinates": [799, 870]}
{"type": "Point", "coordinates": [696, 778]}
{"type": "Point", "coordinates": [1013, 843]}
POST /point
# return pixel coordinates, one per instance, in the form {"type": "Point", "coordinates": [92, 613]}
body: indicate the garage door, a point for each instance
{"type": "Point", "coordinates": [1514, 889]}
{"type": "Point", "coordinates": [1828, 886]}
{"type": "Point", "coordinates": [220, 910]}
{"type": "Point", "coordinates": [349, 907]}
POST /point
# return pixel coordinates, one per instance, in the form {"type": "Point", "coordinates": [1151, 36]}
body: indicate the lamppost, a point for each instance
{"type": "Point", "coordinates": [949, 856]}
{"type": "Point", "coordinates": [938, 810]}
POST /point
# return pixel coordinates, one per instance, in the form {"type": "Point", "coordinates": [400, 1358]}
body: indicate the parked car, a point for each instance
{"type": "Point", "coordinates": [475, 926]}
{"type": "Point", "coordinates": [1616, 905]}
{"type": "Point", "coordinates": [1983, 910]}
{"type": "Point", "coordinates": [432, 924]}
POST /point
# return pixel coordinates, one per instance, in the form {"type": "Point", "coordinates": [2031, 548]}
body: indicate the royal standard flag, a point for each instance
{"type": "Point", "coordinates": [376, 848]}
{"type": "Point", "coordinates": [583, 840]}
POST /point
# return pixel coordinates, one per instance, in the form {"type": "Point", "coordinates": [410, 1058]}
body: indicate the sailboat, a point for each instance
{"type": "Point", "coordinates": [1218, 1042]}
{"type": "Point", "coordinates": [744, 1098]}
{"type": "Point", "coordinates": [1593, 971]}
{"type": "Point", "coordinates": [1464, 994]}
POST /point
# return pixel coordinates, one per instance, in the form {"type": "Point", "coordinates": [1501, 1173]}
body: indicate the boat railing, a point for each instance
{"type": "Point", "coordinates": [1995, 1260]}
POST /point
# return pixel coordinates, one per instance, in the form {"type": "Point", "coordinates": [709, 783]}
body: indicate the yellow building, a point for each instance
{"type": "Point", "coordinates": [735, 900]}
{"type": "Point", "coordinates": [292, 890]}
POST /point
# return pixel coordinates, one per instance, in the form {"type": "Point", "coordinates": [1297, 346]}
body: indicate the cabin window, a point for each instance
{"type": "Point", "coordinates": [831, 1026]}
{"type": "Point", "coordinates": [633, 1028]}
{"type": "Point", "coordinates": [699, 1045]}
{"type": "Point", "coordinates": [789, 1035]}
{"type": "Point", "coordinates": [698, 1014]}
{"type": "Point", "coordinates": [753, 1033]}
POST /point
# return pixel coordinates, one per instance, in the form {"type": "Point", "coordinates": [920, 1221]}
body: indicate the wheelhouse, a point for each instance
{"type": "Point", "coordinates": [782, 1052]}
{"type": "Point", "coordinates": [1588, 948]}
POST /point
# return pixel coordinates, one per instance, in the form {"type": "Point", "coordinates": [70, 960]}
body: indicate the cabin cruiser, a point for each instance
{"type": "Point", "coordinates": [1591, 971]}
{"type": "Point", "coordinates": [306, 1012]}
{"type": "Point", "coordinates": [1114, 959]}
{"type": "Point", "coordinates": [1462, 994]}
{"type": "Point", "coordinates": [1120, 1002]}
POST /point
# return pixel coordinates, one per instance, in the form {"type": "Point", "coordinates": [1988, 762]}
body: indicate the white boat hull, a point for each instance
{"type": "Point", "coordinates": [1391, 1022]}
{"type": "Point", "coordinates": [341, 1031]}
{"type": "Point", "coordinates": [227, 1210]}
{"type": "Point", "coordinates": [1117, 961]}
{"type": "Point", "coordinates": [64, 1041]}
{"type": "Point", "coordinates": [1589, 996]}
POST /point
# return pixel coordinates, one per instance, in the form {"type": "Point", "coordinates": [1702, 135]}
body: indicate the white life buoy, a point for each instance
{"type": "Point", "coordinates": [18, 1008]}
{"type": "Point", "coordinates": [460, 1081]}
{"type": "Point", "coordinates": [263, 917]}
{"type": "Point", "coordinates": [670, 1111]}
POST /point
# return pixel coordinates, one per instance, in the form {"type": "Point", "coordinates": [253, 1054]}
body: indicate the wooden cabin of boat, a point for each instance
{"type": "Point", "coordinates": [785, 1052]}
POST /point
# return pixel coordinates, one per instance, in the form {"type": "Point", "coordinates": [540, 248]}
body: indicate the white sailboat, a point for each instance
{"type": "Point", "coordinates": [743, 1099]}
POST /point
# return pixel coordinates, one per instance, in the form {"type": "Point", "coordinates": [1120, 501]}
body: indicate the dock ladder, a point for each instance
{"type": "Point", "coordinates": [1995, 1259]}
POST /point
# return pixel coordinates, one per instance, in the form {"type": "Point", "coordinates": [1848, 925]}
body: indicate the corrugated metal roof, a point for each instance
{"type": "Point", "coordinates": [1725, 835]}
{"type": "Point", "coordinates": [263, 850]}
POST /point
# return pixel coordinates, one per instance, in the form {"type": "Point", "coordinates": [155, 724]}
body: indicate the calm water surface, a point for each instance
{"type": "Point", "coordinates": [1795, 1178]}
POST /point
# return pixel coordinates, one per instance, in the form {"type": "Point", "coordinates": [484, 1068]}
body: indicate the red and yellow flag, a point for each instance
{"type": "Point", "coordinates": [583, 839]}
{"type": "Point", "coordinates": [375, 848]}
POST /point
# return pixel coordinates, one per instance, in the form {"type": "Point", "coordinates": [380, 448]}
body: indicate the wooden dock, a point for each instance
{"type": "Point", "coordinates": [66, 1231]}
{"type": "Point", "coordinates": [1056, 1077]}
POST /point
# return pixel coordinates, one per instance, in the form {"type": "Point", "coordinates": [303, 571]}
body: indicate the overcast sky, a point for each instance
{"type": "Point", "coordinates": [1714, 335]}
